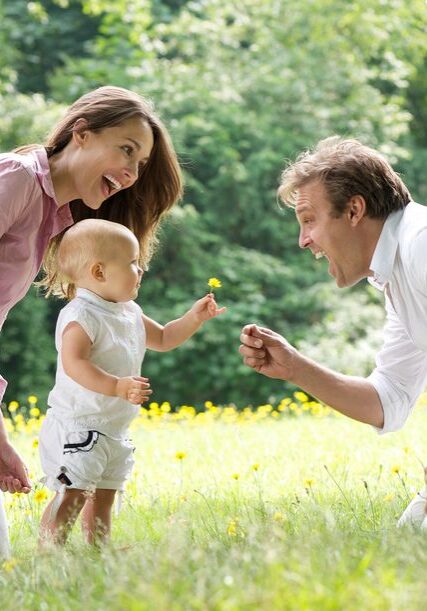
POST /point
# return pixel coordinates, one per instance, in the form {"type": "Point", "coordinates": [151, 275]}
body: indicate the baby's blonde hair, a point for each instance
{"type": "Point", "coordinates": [83, 244]}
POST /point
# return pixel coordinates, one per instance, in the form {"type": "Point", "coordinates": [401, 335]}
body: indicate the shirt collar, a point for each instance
{"type": "Point", "coordinates": [43, 172]}
{"type": "Point", "coordinates": [63, 217]}
{"type": "Point", "coordinates": [91, 297]}
{"type": "Point", "coordinates": [385, 251]}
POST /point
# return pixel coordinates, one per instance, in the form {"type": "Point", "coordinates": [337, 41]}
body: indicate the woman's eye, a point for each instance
{"type": "Point", "coordinates": [128, 150]}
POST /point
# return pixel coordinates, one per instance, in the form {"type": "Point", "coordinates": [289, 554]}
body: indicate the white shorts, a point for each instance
{"type": "Point", "coordinates": [85, 460]}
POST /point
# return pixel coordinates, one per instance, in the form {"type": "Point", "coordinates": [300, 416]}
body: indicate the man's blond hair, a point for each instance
{"type": "Point", "coordinates": [346, 167]}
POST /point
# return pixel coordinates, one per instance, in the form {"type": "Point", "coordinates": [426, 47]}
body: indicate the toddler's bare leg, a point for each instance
{"type": "Point", "coordinates": [56, 528]}
{"type": "Point", "coordinates": [96, 516]}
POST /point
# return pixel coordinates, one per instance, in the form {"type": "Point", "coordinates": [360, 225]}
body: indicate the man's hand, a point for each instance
{"type": "Point", "coordinates": [267, 352]}
{"type": "Point", "coordinates": [134, 389]}
{"type": "Point", "coordinates": [13, 472]}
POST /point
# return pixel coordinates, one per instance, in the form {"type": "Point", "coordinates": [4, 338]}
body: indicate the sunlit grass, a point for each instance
{"type": "Point", "coordinates": [238, 511]}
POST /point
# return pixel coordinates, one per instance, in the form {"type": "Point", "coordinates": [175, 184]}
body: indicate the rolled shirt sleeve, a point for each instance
{"type": "Point", "coordinates": [400, 374]}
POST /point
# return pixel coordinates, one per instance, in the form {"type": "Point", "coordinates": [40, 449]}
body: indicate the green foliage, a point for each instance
{"type": "Point", "coordinates": [257, 288]}
{"type": "Point", "coordinates": [43, 33]}
{"type": "Point", "coordinates": [242, 86]}
{"type": "Point", "coordinates": [350, 334]}
{"type": "Point", "coordinates": [28, 355]}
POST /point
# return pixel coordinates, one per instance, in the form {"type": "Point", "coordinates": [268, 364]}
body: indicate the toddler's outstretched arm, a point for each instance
{"type": "Point", "coordinates": [75, 354]}
{"type": "Point", "coordinates": [176, 332]}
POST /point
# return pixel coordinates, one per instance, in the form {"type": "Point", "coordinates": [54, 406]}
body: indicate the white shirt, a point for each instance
{"type": "Point", "coordinates": [118, 338]}
{"type": "Point", "coordinates": [399, 265]}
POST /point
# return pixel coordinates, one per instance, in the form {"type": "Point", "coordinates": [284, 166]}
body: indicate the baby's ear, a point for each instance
{"type": "Point", "coordinates": [97, 271]}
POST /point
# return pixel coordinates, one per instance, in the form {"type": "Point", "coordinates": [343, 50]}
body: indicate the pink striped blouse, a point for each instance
{"type": "Point", "coordinates": [29, 217]}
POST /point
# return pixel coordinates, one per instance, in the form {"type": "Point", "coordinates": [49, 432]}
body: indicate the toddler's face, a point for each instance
{"type": "Point", "coordinates": [122, 272]}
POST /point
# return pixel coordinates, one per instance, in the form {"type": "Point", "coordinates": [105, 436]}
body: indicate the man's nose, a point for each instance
{"type": "Point", "coordinates": [304, 240]}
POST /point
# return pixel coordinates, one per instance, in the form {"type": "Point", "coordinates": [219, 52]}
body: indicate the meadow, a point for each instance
{"type": "Point", "coordinates": [274, 508]}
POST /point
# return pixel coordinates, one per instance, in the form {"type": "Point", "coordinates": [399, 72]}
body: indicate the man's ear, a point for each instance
{"type": "Point", "coordinates": [97, 271]}
{"type": "Point", "coordinates": [80, 131]}
{"type": "Point", "coordinates": [356, 209]}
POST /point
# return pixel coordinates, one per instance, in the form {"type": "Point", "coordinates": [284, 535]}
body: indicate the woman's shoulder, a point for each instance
{"type": "Point", "coordinates": [19, 167]}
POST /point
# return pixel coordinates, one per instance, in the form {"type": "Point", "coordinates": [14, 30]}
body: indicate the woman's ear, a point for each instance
{"type": "Point", "coordinates": [80, 131]}
{"type": "Point", "coordinates": [97, 271]}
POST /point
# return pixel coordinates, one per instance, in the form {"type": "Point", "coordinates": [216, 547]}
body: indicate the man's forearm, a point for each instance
{"type": "Point", "coordinates": [353, 396]}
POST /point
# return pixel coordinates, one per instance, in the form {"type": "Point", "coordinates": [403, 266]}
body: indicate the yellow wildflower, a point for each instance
{"type": "Point", "coordinates": [35, 443]}
{"type": "Point", "coordinates": [278, 517]}
{"type": "Point", "coordinates": [232, 528]}
{"type": "Point", "coordinates": [35, 412]}
{"type": "Point", "coordinates": [9, 565]}
{"type": "Point", "coordinates": [300, 396]}
{"type": "Point", "coordinates": [214, 283]}
{"type": "Point", "coordinates": [180, 455]}
{"type": "Point", "coordinates": [308, 482]}
{"type": "Point", "coordinates": [32, 399]}
{"type": "Point", "coordinates": [255, 467]}
{"type": "Point", "coordinates": [40, 495]}
{"type": "Point", "coordinates": [395, 469]}
{"type": "Point", "coordinates": [235, 476]}
{"type": "Point", "coordinates": [13, 406]}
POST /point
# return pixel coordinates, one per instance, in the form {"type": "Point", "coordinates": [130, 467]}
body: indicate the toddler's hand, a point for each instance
{"type": "Point", "coordinates": [206, 308]}
{"type": "Point", "coordinates": [134, 389]}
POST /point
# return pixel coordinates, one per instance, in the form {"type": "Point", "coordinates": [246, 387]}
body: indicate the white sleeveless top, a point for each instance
{"type": "Point", "coordinates": [118, 338]}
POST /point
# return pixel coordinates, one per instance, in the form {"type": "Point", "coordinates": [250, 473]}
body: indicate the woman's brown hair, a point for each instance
{"type": "Point", "coordinates": [141, 206]}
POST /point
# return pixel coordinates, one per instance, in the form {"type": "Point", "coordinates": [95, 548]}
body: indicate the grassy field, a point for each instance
{"type": "Point", "coordinates": [228, 513]}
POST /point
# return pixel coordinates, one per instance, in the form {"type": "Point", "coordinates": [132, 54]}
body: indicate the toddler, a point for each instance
{"type": "Point", "coordinates": [101, 338]}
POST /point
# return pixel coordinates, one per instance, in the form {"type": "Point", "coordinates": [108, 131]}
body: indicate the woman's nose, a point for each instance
{"type": "Point", "coordinates": [131, 173]}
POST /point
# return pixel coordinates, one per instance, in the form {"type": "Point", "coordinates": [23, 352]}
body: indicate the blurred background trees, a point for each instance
{"type": "Point", "coordinates": [242, 86]}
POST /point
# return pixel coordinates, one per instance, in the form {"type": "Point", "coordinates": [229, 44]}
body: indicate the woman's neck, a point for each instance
{"type": "Point", "coordinates": [62, 179]}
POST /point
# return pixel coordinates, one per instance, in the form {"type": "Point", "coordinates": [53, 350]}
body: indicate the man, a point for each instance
{"type": "Point", "coordinates": [354, 210]}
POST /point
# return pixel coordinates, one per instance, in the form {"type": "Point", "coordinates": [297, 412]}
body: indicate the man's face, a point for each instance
{"type": "Point", "coordinates": [337, 239]}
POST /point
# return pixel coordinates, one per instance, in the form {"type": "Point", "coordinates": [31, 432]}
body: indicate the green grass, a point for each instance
{"type": "Point", "coordinates": [313, 527]}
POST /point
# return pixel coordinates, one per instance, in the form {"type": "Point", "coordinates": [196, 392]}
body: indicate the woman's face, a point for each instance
{"type": "Point", "coordinates": [109, 161]}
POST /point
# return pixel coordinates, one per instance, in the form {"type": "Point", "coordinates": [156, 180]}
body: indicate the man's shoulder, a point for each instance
{"type": "Point", "coordinates": [413, 224]}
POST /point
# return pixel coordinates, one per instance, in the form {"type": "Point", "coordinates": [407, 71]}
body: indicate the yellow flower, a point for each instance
{"type": "Point", "coordinates": [388, 498]}
{"type": "Point", "coordinates": [255, 467]}
{"type": "Point", "coordinates": [300, 396]}
{"type": "Point", "coordinates": [32, 399]}
{"type": "Point", "coordinates": [13, 406]}
{"type": "Point", "coordinates": [308, 482]}
{"type": "Point", "coordinates": [277, 516]}
{"type": "Point", "coordinates": [40, 495]}
{"type": "Point", "coordinates": [35, 443]}
{"type": "Point", "coordinates": [35, 412]}
{"type": "Point", "coordinates": [395, 469]}
{"type": "Point", "coordinates": [9, 565]}
{"type": "Point", "coordinates": [214, 283]}
{"type": "Point", "coordinates": [235, 476]}
{"type": "Point", "coordinates": [232, 528]}
{"type": "Point", "coordinates": [180, 455]}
